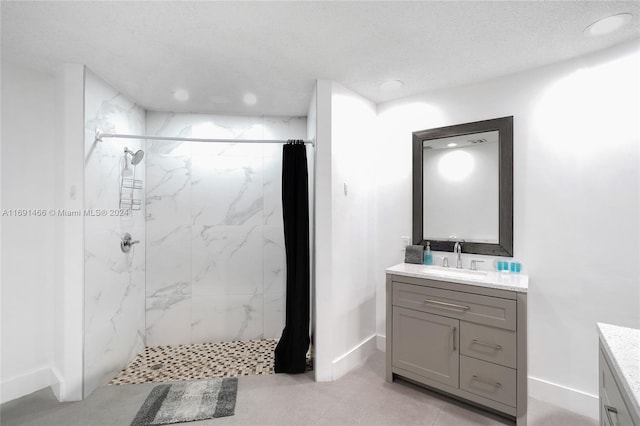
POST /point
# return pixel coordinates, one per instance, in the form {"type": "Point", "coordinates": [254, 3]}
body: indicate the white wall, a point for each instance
{"type": "Point", "coordinates": [576, 203]}
{"type": "Point", "coordinates": [29, 142]}
{"type": "Point", "coordinates": [345, 293]}
{"type": "Point", "coordinates": [323, 315]}
{"type": "Point", "coordinates": [69, 294]}
{"type": "Point", "coordinates": [312, 117]}
{"type": "Point", "coordinates": [42, 257]}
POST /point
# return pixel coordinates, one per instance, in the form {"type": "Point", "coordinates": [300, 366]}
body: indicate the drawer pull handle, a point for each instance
{"type": "Point", "coordinates": [490, 345]}
{"type": "Point", "coordinates": [609, 409]}
{"type": "Point", "coordinates": [486, 382]}
{"type": "Point", "coordinates": [454, 339]}
{"type": "Point", "coordinates": [447, 305]}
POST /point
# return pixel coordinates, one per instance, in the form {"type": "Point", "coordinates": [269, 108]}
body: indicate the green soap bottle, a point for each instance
{"type": "Point", "coordinates": [427, 257]}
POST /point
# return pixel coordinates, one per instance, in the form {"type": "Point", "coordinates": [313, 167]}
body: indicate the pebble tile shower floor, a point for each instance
{"type": "Point", "coordinates": [200, 361]}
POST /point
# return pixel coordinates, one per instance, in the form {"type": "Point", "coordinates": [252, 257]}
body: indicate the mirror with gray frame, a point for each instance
{"type": "Point", "coordinates": [463, 187]}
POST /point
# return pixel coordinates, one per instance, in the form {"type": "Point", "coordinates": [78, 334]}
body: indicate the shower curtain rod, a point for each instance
{"type": "Point", "coordinates": [100, 135]}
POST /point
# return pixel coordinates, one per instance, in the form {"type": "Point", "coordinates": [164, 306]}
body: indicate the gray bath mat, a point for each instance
{"type": "Point", "coordinates": [188, 401]}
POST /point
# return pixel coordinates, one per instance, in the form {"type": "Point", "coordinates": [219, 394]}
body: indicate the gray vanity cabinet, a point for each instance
{"type": "Point", "coordinates": [464, 340]}
{"type": "Point", "coordinates": [614, 402]}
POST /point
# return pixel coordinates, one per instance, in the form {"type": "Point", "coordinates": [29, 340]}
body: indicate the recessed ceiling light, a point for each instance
{"type": "Point", "coordinates": [250, 99]}
{"type": "Point", "coordinates": [452, 144]}
{"type": "Point", "coordinates": [607, 25]}
{"type": "Point", "coordinates": [181, 95]}
{"type": "Point", "coordinates": [390, 85]}
{"type": "Point", "coordinates": [475, 141]}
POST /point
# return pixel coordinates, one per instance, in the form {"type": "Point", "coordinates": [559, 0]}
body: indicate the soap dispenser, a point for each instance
{"type": "Point", "coordinates": [428, 257]}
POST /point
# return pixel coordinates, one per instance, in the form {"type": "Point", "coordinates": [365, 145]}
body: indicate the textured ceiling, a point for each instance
{"type": "Point", "coordinates": [219, 51]}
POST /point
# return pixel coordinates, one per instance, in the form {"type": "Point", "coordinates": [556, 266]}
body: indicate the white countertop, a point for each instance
{"type": "Point", "coordinates": [622, 345]}
{"type": "Point", "coordinates": [491, 279]}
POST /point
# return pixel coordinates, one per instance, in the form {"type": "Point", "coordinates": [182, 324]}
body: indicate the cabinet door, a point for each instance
{"type": "Point", "coordinates": [613, 410]}
{"type": "Point", "coordinates": [426, 345]}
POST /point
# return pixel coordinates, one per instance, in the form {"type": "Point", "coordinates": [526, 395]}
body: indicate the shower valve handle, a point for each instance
{"type": "Point", "coordinates": [126, 242]}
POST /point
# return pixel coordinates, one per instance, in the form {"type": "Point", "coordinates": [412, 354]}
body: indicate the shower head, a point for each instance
{"type": "Point", "coordinates": [136, 157]}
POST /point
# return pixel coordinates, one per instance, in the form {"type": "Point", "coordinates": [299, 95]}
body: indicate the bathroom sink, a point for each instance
{"type": "Point", "coordinates": [454, 272]}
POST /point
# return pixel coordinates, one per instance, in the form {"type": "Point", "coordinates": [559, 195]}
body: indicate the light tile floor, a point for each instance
{"type": "Point", "coordinates": [362, 397]}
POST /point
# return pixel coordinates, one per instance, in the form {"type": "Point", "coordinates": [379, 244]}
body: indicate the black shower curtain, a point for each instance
{"type": "Point", "coordinates": [291, 352]}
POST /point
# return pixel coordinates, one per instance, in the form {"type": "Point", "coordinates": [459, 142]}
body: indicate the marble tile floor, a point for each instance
{"type": "Point", "coordinates": [362, 397]}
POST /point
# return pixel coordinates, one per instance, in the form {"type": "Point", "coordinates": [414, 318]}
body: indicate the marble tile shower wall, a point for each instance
{"type": "Point", "coordinates": [215, 260]}
{"type": "Point", "coordinates": [114, 281]}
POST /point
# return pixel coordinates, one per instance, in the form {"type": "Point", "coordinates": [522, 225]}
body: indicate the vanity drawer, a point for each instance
{"type": "Point", "coordinates": [491, 344]}
{"type": "Point", "coordinates": [486, 310]}
{"type": "Point", "coordinates": [488, 380]}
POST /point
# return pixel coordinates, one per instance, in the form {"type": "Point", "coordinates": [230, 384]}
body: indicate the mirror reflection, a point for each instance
{"type": "Point", "coordinates": [461, 188]}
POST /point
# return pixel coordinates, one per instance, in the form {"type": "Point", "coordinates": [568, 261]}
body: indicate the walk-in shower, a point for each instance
{"type": "Point", "coordinates": [211, 249]}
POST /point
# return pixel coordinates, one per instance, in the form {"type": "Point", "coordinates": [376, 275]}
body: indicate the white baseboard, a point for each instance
{"type": "Point", "coordinates": [567, 398]}
{"type": "Point", "coordinates": [28, 383]}
{"type": "Point", "coordinates": [355, 357]}
{"type": "Point", "coordinates": [381, 342]}
{"type": "Point", "coordinates": [58, 384]}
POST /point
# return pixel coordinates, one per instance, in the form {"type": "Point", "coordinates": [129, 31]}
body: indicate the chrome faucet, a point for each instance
{"type": "Point", "coordinates": [457, 249]}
